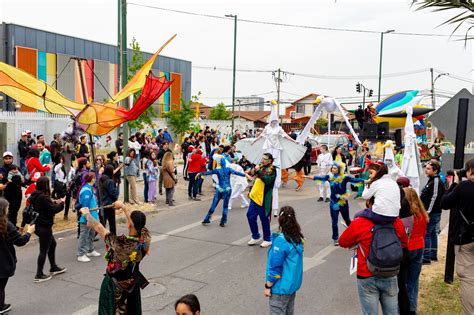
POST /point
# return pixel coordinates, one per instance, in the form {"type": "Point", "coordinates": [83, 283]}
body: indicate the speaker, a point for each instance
{"type": "Point", "coordinates": [370, 131]}
{"type": "Point", "coordinates": [398, 138]}
{"type": "Point", "coordinates": [382, 130]}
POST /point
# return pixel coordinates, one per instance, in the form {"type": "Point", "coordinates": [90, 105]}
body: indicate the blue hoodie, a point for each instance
{"type": "Point", "coordinates": [284, 265]}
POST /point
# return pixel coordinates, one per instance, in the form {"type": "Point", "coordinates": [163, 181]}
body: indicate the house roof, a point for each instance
{"type": "Point", "coordinates": [311, 96]}
{"type": "Point", "coordinates": [252, 115]}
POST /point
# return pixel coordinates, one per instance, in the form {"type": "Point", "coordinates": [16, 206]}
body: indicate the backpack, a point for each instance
{"type": "Point", "coordinates": [75, 185]}
{"type": "Point", "coordinates": [29, 213]}
{"type": "Point", "coordinates": [386, 251]}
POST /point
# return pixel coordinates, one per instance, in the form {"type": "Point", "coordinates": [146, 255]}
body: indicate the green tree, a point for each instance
{"type": "Point", "coordinates": [136, 63]}
{"type": "Point", "coordinates": [180, 120]}
{"type": "Point", "coordinates": [463, 16]}
{"type": "Point", "coordinates": [219, 112]}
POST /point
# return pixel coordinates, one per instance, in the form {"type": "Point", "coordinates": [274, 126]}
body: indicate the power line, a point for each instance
{"type": "Point", "coordinates": [321, 28]}
{"type": "Point", "coordinates": [215, 68]}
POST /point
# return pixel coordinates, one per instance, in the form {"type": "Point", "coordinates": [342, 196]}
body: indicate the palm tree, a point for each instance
{"type": "Point", "coordinates": [465, 17]}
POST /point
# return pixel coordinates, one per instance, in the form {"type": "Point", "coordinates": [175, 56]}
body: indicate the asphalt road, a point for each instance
{"type": "Point", "coordinates": [212, 262]}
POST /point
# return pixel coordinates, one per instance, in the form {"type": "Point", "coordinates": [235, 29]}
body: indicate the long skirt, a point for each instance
{"type": "Point", "coordinates": [113, 301]}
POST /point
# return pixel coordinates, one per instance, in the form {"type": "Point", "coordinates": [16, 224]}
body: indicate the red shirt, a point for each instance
{"type": "Point", "coordinates": [33, 164]}
{"type": "Point", "coordinates": [360, 232]}
{"type": "Point", "coordinates": [203, 166]}
{"type": "Point", "coordinates": [194, 163]}
{"type": "Point", "coordinates": [418, 231]}
{"type": "Point", "coordinates": [31, 188]}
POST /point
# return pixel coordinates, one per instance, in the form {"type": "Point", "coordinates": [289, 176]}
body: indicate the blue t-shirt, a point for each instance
{"type": "Point", "coordinates": [87, 199]}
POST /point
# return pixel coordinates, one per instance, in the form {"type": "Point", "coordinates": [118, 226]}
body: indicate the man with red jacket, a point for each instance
{"type": "Point", "coordinates": [373, 289]}
{"type": "Point", "coordinates": [194, 167]}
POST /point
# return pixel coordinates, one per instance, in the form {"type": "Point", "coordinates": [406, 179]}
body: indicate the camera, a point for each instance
{"type": "Point", "coordinates": [461, 173]}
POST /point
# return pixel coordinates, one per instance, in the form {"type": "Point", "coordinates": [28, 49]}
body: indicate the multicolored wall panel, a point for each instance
{"type": "Point", "coordinates": [51, 69]}
{"type": "Point", "coordinates": [112, 82]}
{"type": "Point", "coordinates": [42, 64]}
{"type": "Point", "coordinates": [166, 107]}
{"type": "Point", "coordinates": [27, 60]}
{"type": "Point", "coordinates": [66, 82]}
{"type": "Point", "coordinates": [89, 71]}
{"type": "Point", "coordinates": [102, 72]}
{"type": "Point", "coordinates": [175, 93]}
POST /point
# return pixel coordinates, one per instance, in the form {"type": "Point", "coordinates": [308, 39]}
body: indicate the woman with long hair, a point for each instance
{"type": "Point", "coordinates": [169, 177]}
{"type": "Point", "coordinates": [9, 237]}
{"type": "Point", "coordinates": [47, 209]}
{"type": "Point", "coordinates": [285, 264]}
{"type": "Point", "coordinates": [338, 156]}
{"type": "Point", "coordinates": [109, 194]}
{"type": "Point", "coordinates": [132, 170]}
{"type": "Point", "coordinates": [33, 164]}
{"type": "Point", "coordinates": [152, 176]}
{"type": "Point", "coordinates": [187, 305]}
{"type": "Point", "coordinates": [60, 180]}
{"type": "Point", "coordinates": [145, 156]}
{"type": "Point", "coordinates": [113, 159]}
{"type": "Point", "coordinates": [416, 243]}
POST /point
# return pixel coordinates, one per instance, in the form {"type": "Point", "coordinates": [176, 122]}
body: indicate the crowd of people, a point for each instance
{"type": "Point", "coordinates": [64, 176]}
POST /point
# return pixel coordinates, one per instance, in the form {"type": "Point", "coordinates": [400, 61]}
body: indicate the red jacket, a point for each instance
{"type": "Point", "coordinates": [194, 163]}
{"type": "Point", "coordinates": [360, 232]}
{"type": "Point", "coordinates": [417, 236]}
{"type": "Point", "coordinates": [34, 164]}
{"type": "Point", "coordinates": [203, 166]}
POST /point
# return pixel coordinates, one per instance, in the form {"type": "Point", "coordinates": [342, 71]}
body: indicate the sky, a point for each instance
{"type": "Point", "coordinates": [347, 57]}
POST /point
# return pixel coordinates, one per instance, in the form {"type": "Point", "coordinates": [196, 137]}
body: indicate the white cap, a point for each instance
{"type": "Point", "coordinates": [28, 131]}
{"type": "Point", "coordinates": [7, 153]}
{"type": "Point", "coordinates": [24, 134]}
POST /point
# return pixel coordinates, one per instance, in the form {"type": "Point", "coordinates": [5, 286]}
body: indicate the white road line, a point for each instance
{"type": "Point", "coordinates": [88, 310]}
{"type": "Point", "coordinates": [245, 239]}
{"type": "Point", "coordinates": [311, 262]}
{"type": "Point", "coordinates": [161, 237]}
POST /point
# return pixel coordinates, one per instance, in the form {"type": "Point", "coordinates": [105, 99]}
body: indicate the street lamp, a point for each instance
{"type": "Point", "coordinates": [233, 70]}
{"type": "Point", "coordinates": [380, 65]}
{"type": "Point", "coordinates": [433, 97]}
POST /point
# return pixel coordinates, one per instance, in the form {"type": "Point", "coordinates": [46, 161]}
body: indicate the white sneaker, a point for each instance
{"type": "Point", "coordinates": [275, 213]}
{"type": "Point", "coordinates": [265, 244]}
{"type": "Point", "coordinates": [93, 254]}
{"type": "Point", "coordinates": [253, 242]}
{"type": "Point", "coordinates": [244, 206]}
{"type": "Point", "coordinates": [229, 208]}
{"type": "Point", "coordinates": [83, 258]}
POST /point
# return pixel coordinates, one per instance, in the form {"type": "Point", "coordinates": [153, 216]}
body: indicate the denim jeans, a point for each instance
{"type": "Point", "coordinates": [192, 185]}
{"type": "Point", "coordinates": [225, 208]}
{"type": "Point", "coordinates": [414, 268]}
{"type": "Point", "coordinates": [23, 168]}
{"type": "Point", "coordinates": [374, 290]}
{"type": "Point", "coordinates": [253, 212]}
{"type": "Point", "coordinates": [86, 240]}
{"type": "Point", "coordinates": [282, 304]}
{"type": "Point", "coordinates": [431, 238]}
{"type": "Point", "coordinates": [344, 210]}
{"type": "Point", "coordinates": [145, 186]}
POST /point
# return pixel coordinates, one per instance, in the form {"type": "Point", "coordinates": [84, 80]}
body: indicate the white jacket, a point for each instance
{"type": "Point", "coordinates": [324, 161]}
{"type": "Point", "coordinates": [387, 196]}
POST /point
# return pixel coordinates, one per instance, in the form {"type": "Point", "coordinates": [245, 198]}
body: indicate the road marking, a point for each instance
{"type": "Point", "coordinates": [245, 239]}
{"type": "Point", "coordinates": [161, 237]}
{"type": "Point", "coordinates": [88, 310]}
{"type": "Point", "coordinates": [318, 259]}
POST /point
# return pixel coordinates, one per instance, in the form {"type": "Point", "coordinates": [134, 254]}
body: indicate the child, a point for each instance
{"type": "Point", "coordinates": [339, 195]}
{"type": "Point", "coordinates": [14, 171]}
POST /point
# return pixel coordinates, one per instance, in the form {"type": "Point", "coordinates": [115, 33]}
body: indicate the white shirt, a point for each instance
{"type": "Point", "coordinates": [324, 161]}
{"type": "Point", "coordinates": [60, 175]}
{"type": "Point", "coordinates": [387, 196]}
{"type": "Point", "coordinates": [272, 136]}
{"type": "Point", "coordinates": [134, 145]}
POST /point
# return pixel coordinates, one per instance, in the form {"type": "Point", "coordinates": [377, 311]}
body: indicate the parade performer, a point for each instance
{"type": "Point", "coordinates": [223, 188]}
{"type": "Point", "coordinates": [339, 196]}
{"type": "Point", "coordinates": [389, 160]}
{"type": "Point", "coordinates": [276, 142]}
{"type": "Point", "coordinates": [324, 162]}
{"type": "Point", "coordinates": [261, 201]}
{"type": "Point", "coordinates": [364, 162]}
{"type": "Point", "coordinates": [120, 289]}
{"type": "Point", "coordinates": [238, 185]}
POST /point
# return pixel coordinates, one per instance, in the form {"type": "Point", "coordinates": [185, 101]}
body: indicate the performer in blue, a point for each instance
{"type": "Point", "coordinates": [339, 196]}
{"type": "Point", "coordinates": [223, 188]}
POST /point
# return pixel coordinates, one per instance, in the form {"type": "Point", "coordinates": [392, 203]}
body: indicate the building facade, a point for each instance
{"type": "Point", "coordinates": [247, 104]}
{"type": "Point", "coordinates": [48, 56]}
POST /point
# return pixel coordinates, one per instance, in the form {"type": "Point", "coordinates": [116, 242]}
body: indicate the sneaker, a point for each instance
{"type": "Point", "coordinates": [244, 206]}
{"type": "Point", "coordinates": [434, 259]}
{"type": "Point", "coordinates": [253, 242]}
{"type": "Point", "coordinates": [200, 194]}
{"type": "Point", "coordinates": [197, 199]}
{"type": "Point", "coordinates": [93, 254]}
{"type": "Point", "coordinates": [42, 278]}
{"type": "Point", "coordinates": [426, 262]}
{"type": "Point", "coordinates": [299, 188]}
{"type": "Point", "coordinates": [265, 244]}
{"type": "Point", "coordinates": [205, 222]}
{"type": "Point", "coordinates": [275, 213]}
{"type": "Point", "coordinates": [171, 204]}
{"type": "Point", "coordinates": [320, 199]}
{"type": "Point", "coordinates": [5, 308]}
{"type": "Point", "coordinates": [229, 208]}
{"type": "Point", "coordinates": [57, 271]}
{"type": "Point", "coordinates": [190, 198]}
{"type": "Point", "coordinates": [222, 225]}
{"type": "Point", "coordinates": [83, 258]}
{"type": "Point", "coordinates": [327, 200]}
{"type": "Point", "coordinates": [336, 243]}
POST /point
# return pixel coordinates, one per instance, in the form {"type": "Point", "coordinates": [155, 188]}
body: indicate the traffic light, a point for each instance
{"type": "Point", "coordinates": [371, 92]}
{"type": "Point", "coordinates": [358, 87]}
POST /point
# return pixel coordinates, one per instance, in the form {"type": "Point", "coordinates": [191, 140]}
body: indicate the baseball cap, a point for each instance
{"type": "Point", "coordinates": [190, 148]}
{"type": "Point", "coordinates": [403, 181]}
{"type": "Point", "coordinates": [7, 153]}
{"type": "Point", "coordinates": [24, 134]}
{"type": "Point", "coordinates": [28, 131]}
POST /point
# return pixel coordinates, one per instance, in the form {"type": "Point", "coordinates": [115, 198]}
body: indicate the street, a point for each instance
{"type": "Point", "coordinates": [212, 262]}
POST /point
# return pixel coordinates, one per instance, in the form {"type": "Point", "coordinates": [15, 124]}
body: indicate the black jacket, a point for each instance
{"type": "Point", "coordinates": [13, 190]}
{"type": "Point", "coordinates": [431, 195]}
{"type": "Point", "coordinates": [45, 207]}
{"type": "Point", "coordinates": [160, 155]}
{"type": "Point", "coordinates": [108, 191]}
{"type": "Point", "coordinates": [459, 197]}
{"type": "Point", "coordinates": [7, 250]}
{"type": "Point", "coordinates": [23, 148]}
{"type": "Point", "coordinates": [309, 148]}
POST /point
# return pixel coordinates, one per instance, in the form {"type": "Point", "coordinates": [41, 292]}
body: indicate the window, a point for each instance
{"type": "Point", "coordinates": [300, 108]}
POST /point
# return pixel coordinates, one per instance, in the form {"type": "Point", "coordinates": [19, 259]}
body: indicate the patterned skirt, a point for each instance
{"type": "Point", "coordinates": [114, 301]}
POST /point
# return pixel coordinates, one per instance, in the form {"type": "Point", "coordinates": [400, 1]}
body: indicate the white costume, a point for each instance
{"type": "Point", "coordinates": [389, 159]}
{"type": "Point", "coordinates": [410, 154]}
{"type": "Point", "coordinates": [238, 185]}
{"type": "Point", "coordinates": [324, 162]}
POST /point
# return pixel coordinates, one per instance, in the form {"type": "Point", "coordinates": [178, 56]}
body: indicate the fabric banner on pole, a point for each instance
{"type": "Point", "coordinates": [410, 155]}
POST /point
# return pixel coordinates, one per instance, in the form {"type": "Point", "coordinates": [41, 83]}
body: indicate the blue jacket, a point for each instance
{"type": "Point", "coordinates": [338, 189]}
{"type": "Point", "coordinates": [223, 174]}
{"type": "Point", "coordinates": [284, 265]}
{"type": "Point", "coordinates": [88, 199]}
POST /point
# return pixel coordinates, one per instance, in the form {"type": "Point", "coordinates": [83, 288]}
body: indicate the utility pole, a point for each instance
{"type": "Point", "coordinates": [433, 98]}
{"type": "Point", "coordinates": [380, 64]}
{"type": "Point", "coordinates": [124, 80]}
{"type": "Point", "coordinates": [278, 93]}
{"type": "Point", "coordinates": [233, 70]}
{"type": "Point", "coordinates": [363, 98]}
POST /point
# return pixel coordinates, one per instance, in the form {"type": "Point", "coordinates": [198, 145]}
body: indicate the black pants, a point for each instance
{"type": "Point", "coordinates": [403, 302]}
{"type": "Point", "coordinates": [192, 185]}
{"type": "Point", "coordinates": [307, 167]}
{"type": "Point", "coordinates": [185, 166]}
{"type": "Point", "coordinates": [47, 245]}
{"type": "Point", "coordinates": [13, 208]}
{"type": "Point", "coordinates": [3, 284]}
{"type": "Point", "coordinates": [67, 203]}
{"type": "Point", "coordinates": [109, 215]}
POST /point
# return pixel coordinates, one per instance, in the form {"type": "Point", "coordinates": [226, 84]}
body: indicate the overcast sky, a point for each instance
{"type": "Point", "coordinates": [208, 42]}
